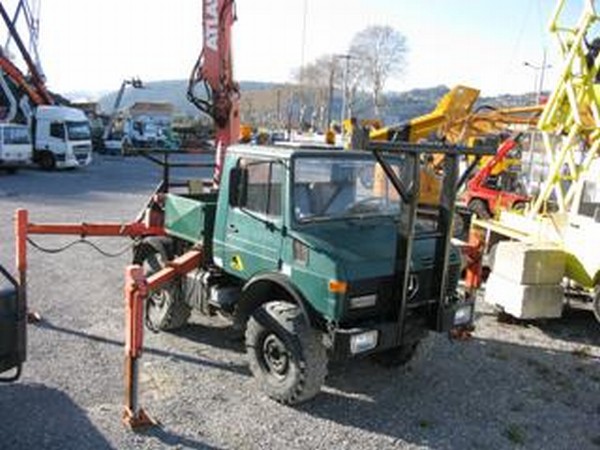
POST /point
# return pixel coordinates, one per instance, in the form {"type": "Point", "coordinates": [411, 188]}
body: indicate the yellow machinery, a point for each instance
{"type": "Point", "coordinates": [245, 133]}
{"type": "Point", "coordinates": [454, 121]}
{"type": "Point", "coordinates": [566, 213]}
{"type": "Point", "coordinates": [455, 105]}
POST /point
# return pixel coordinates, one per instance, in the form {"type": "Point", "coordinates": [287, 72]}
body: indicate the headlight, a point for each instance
{"type": "Point", "coordinates": [463, 315]}
{"type": "Point", "coordinates": [364, 341]}
{"type": "Point", "coordinates": [364, 301]}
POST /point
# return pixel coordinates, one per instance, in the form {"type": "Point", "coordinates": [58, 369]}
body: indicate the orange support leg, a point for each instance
{"type": "Point", "coordinates": [136, 290]}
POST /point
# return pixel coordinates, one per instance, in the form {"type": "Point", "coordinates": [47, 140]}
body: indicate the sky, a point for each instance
{"type": "Point", "coordinates": [92, 45]}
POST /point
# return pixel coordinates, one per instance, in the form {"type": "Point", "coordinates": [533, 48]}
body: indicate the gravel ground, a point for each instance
{"type": "Point", "coordinates": [530, 386]}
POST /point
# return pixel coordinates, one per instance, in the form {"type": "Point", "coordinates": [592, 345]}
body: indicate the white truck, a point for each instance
{"type": "Point", "coordinates": [16, 150]}
{"type": "Point", "coordinates": [61, 137]}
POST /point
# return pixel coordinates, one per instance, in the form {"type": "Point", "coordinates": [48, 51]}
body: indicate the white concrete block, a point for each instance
{"type": "Point", "coordinates": [525, 301]}
{"type": "Point", "coordinates": [528, 263]}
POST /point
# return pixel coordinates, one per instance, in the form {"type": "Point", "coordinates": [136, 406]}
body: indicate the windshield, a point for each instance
{"type": "Point", "coordinates": [334, 188]}
{"type": "Point", "coordinates": [16, 135]}
{"type": "Point", "coordinates": [590, 199]}
{"type": "Point", "coordinates": [78, 131]}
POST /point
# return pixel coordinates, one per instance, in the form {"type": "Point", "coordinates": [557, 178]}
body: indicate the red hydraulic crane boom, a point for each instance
{"type": "Point", "coordinates": [214, 69]}
{"type": "Point", "coordinates": [42, 96]}
{"type": "Point", "coordinates": [20, 81]}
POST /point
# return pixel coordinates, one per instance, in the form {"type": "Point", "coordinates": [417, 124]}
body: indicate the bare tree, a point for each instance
{"type": "Point", "coordinates": [317, 81]}
{"type": "Point", "coordinates": [380, 52]}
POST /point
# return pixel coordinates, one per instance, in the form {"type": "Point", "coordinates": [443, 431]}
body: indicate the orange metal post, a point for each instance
{"type": "Point", "coordinates": [136, 291]}
{"type": "Point", "coordinates": [474, 254]}
{"type": "Point", "coordinates": [21, 263]}
{"type": "Point", "coordinates": [21, 218]}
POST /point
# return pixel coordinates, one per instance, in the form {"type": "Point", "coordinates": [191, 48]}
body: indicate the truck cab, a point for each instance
{"type": "Point", "coordinates": [583, 227]}
{"type": "Point", "coordinates": [61, 137]}
{"type": "Point", "coordinates": [316, 254]}
{"type": "Point", "coordinates": [15, 146]}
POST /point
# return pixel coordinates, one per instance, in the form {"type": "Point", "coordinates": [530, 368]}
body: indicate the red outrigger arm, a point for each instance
{"type": "Point", "coordinates": [23, 228]}
{"type": "Point", "coordinates": [137, 289]}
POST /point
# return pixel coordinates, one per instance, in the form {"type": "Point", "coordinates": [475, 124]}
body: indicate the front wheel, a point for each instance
{"type": "Point", "coordinates": [284, 353]}
{"type": "Point", "coordinates": [478, 207]}
{"type": "Point", "coordinates": [596, 303]}
{"type": "Point", "coordinates": [397, 356]}
{"type": "Point", "coordinates": [47, 161]}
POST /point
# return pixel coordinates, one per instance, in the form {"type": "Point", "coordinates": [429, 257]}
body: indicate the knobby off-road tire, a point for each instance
{"type": "Point", "coordinates": [397, 356]}
{"type": "Point", "coordinates": [285, 353]}
{"type": "Point", "coordinates": [165, 307]}
{"type": "Point", "coordinates": [414, 336]}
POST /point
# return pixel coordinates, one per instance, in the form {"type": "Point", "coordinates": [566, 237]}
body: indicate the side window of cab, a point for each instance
{"type": "Point", "coordinates": [258, 186]}
{"type": "Point", "coordinates": [57, 130]}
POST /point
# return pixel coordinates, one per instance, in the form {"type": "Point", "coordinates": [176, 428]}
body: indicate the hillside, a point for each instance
{"type": "Point", "coordinates": [265, 103]}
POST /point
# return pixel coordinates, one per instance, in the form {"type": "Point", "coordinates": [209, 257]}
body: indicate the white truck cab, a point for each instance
{"type": "Point", "coordinates": [61, 137]}
{"type": "Point", "coordinates": [15, 146]}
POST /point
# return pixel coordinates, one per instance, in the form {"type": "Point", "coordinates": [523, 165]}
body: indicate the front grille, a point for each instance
{"type": "Point", "coordinates": [388, 289]}
{"type": "Point", "coordinates": [82, 149]}
{"type": "Point", "coordinates": [427, 289]}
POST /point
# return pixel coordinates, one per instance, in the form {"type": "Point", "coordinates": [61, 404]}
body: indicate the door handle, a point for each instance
{"type": "Point", "coordinates": [575, 225]}
{"type": "Point", "coordinates": [232, 228]}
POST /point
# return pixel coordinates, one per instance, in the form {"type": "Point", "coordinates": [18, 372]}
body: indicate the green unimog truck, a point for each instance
{"type": "Point", "coordinates": [315, 254]}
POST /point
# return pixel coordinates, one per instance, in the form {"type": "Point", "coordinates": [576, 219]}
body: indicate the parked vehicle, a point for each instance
{"type": "Point", "coordinates": [316, 254]}
{"type": "Point", "coordinates": [61, 137]}
{"type": "Point", "coordinates": [15, 147]}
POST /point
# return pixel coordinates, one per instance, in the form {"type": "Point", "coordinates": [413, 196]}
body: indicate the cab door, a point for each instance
{"type": "Point", "coordinates": [254, 224]}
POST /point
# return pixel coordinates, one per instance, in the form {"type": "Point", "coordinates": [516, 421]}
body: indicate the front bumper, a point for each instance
{"type": "Point", "coordinates": [65, 161]}
{"type": "Point", "coordinates": [342, 342]}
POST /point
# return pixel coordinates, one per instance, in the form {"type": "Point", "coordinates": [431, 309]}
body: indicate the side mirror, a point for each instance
{"type": "Point", "coordinates": [237, 187]}
{"type": "Point", "coordinates": [597, 214]}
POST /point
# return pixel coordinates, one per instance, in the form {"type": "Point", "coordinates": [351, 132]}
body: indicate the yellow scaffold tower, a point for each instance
{"type": "Point", "coordinates": [570, 122]}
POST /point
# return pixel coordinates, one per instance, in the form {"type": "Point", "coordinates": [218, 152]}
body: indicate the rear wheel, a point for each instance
{"type": "Point", "coordinates": [284, 353]}
{"type": "Point", "coordinates": [480, 209]}
{"type": "Point", "coordinates": [165, 307]}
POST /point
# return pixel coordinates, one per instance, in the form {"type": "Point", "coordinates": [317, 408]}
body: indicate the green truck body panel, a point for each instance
{"type": "Point", "coordinates": [246, 245]}
{"type": "Point", "coordinates": [191, 219]}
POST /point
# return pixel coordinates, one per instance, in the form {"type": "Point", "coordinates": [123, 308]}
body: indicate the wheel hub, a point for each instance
{"type": "Point", "coordinates": [276, 356]}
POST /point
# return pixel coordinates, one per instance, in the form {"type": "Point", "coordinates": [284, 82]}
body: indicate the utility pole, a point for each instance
{"type": "Point", "coordinates": [347, 57]}
{"type": "Point", "coordinates": [538, 83]}
{"type": "Point", "coordinates": [538, 88]}
{"type": "Point", "coordinates": [330, 99]}
{"type": "Point", "coordinates": [278, 108]}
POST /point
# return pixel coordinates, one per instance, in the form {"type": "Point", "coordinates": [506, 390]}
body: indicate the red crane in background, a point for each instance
{"type": "Point", "coordinates": [214, 70]}
{"type": "Point", "coordinates": [484, 200]}
{"type": "Point", "coordinates": [36, 80]}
